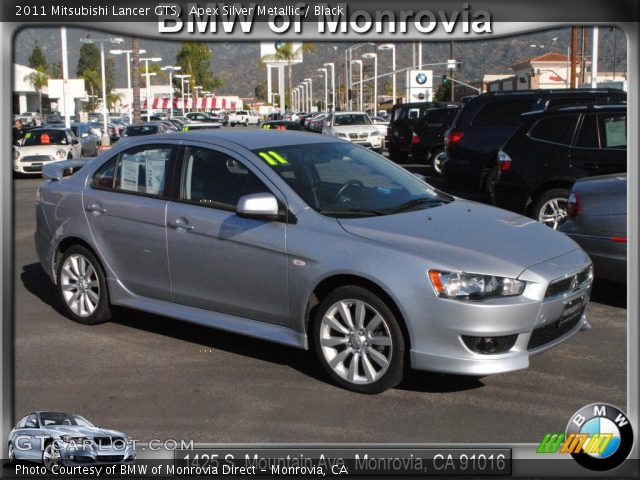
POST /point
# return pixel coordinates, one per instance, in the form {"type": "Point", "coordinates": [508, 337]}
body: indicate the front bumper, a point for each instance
{"type": "Point", "coordinates": [523, 325]}
{"type": "Point", "coordinates": [97, 456]}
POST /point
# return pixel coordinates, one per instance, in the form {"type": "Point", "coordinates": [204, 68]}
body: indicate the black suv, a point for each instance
{"type": "Point", "coordinates": [427, 142]}
{"type": "Point", "coordinates": [539, 163]}
{"type": "Point", "coordinates": [486, 121]}
{"type": "Point", "coordinates": [400, 130]}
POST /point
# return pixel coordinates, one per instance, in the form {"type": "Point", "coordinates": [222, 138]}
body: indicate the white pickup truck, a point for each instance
{"type": "Point", "coordinates": [243, 117]}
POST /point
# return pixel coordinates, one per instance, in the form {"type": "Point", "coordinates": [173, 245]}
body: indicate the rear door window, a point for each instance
{"type": "Point", "coordinates": [588, 134]}
{"type": "Point", "coordinates": [504, 113]}
{"type": "Point", "coordinates": [558, 129]}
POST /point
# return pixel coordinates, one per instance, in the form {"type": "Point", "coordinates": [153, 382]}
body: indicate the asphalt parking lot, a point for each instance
{"type": "Point", "coordinates": [156, 378]}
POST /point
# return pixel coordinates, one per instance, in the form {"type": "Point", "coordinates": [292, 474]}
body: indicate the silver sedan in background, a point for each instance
{"type": "Point", "coordinates": [597, 220]}
{"type": "Point", "coordinates": [312, 242]}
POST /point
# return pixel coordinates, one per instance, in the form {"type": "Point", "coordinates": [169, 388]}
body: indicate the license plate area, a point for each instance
{"type": "Point", "coordinates": [571, 309]}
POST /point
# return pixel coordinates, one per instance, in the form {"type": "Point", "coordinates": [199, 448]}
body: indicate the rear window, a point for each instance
{"type": "Point", "coordinates": [504, 113]}
{"type": "Point", "coordinates": [558, 129]}
{"type": "Point", "coordinates": [138, 130]}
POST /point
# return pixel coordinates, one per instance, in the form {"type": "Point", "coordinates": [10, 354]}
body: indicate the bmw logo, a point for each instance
{"type": "Point", "coordinates": [609, 432]}
{"type": "Point", "coordinates": [421, 78]}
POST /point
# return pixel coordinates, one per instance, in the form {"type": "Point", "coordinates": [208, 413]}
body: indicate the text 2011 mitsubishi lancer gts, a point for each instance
{"type": "Point", "coordinates": [311, 242]}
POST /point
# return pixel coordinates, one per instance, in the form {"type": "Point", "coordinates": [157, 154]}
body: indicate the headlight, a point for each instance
{"type": "Point", "coordinates": [473, 286]}
{"type": "Point", "coordinates": [61, 153]}
{"type": "Point", "coordinates": [16, 154]}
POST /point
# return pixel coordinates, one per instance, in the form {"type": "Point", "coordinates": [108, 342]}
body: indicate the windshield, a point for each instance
{"type": "Point", "coordinates": [54, 418]}
{"type": "Point", "coordinates": [351, 119]}
{"type": "Point", "coordinates": [346, 180]}
{"type": "Point", "coordinates": [45, 137]}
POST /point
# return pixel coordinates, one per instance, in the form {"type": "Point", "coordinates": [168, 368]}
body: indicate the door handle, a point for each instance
{"type": "Point", "coordinates": [180, 224]}
{"type": "Point", "coordinates": [96, 207]}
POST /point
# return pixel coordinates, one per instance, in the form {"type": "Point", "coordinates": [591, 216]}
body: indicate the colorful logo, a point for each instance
{"type": "Point", "coordinates": [421, 78]}
{"type": "Point", "coordinates": [599, 437]}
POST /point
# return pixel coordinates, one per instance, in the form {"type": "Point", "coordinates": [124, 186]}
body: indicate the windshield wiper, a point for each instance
{"type": "Point", "coordinates": [352, 212]}
{"type": "Point", "coordinates": [415, 202]}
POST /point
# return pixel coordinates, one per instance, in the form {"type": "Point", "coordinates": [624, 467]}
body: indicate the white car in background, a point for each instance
{"type": "Point", "coordinates": [355, 127]}
{"type": "Point", "coordinates": [244, 117]}
{"type": "Point", "coordinates": [42, 146]}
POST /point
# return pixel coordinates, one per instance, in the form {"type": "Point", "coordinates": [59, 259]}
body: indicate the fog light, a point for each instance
{"type": "Point", "coordinates": [490, 345]}
{"type": "Point", "coordinates": [72, 457]}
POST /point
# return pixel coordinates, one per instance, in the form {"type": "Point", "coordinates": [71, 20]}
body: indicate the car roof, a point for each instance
{"type": "Point", "coordinates": [611, 107]}
{"type": "Point", "coordinates": [251, 140]}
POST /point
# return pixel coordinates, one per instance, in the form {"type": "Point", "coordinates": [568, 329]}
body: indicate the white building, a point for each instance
{"type": "Point", "coordinates": [25, 97]}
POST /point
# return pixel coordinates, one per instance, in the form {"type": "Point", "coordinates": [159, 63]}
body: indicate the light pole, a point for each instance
{"type": "Point", "coordinates": [149, 75]}
{"type": "Point", "coordinates": [129, 91]}
{"type": "Point", "coordinates": [347, 65]}
{"type": "Point", "coordinates": [171, 69]}
{"type": "Point", "coordinates": [303, 93]}
{"type": "Point", "coordinates": [392, 47]}
{"type": "Point", "coordinates": [375, 80]}
{"type": "Point", "coordinates": [309, 82]}
{"type": "Point", "coordinates": [182, 77]}
{"type": "Point", "coordinates": [106, 140]}
{"type": "Point", "coordinates": [360, 100]}
{"type": "Point", "coordinates": [333, 84]}
{"type": "Point", "coordinates": [196, 89]}
{"type": "Point", "coordinates": [326, 99]}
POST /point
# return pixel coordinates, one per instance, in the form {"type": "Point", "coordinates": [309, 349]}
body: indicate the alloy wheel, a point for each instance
{"type": "Point", "coordinates": [553, 212]}
{"type": "Point", "coordinates": [356, 341]}
{"type": "Point", "coordinates": [80, 285]}
{"type": "Point", "coordinates": [50, 456]}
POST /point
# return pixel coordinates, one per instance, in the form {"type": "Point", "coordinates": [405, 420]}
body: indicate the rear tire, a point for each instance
{"type": "Point", "coordinates": [82, 287]}
{"type": "Point", "coordinates": [358, 340]}
{"type": "Point", "coordinates": [550, 208]}
{"type": "Point", "coordinates": [436, 161]}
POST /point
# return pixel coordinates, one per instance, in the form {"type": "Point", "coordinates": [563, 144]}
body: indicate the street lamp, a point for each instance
{"type": "Point", "coordinates": [324, 71]}
{"type": "Point", "coordinates": [196, 89]}
{"type": "Point", "coordinates": [375, 80]}
{"type": "Point", "coordinates": [106, 140]}
{"type": "Point", "coordinates": [149, 75]}
{"type": "Point", "coordinates": [347, 65]}
{"type": "Point", "coordinates": [309, 83]}
{"type": "Point", "coordinates": [129, 91]}
{"type": "Point", "coordinates": [392, 47]}
{"type": "Point", "coordinates": [360, 99]}
{"type": "Point", "coordinates": [182, 77]}
{"type": "Point", "coordinates": [303, 94]}
{"type": "Point", "coordinates": [171, 69]}
{"type": "Point", "coordinates": [333, 83]}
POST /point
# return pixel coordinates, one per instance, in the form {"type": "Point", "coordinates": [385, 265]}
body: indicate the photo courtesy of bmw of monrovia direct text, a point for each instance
{"type": "Point", "coordinates": [319, 239]}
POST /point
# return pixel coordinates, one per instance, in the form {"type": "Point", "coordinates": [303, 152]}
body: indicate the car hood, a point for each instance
{"type": "Point", "coordinates": [85, 431]}
{"type": "Point", "coordinates": [41, 149]}
{"type": "Point", "coordinates": [354, 128]}
{"type": "Point", "coordinates": [469, 236]}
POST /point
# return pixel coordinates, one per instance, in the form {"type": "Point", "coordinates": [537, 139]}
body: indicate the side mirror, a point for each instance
{"type": "Point", "coordinates": [74, 141]}
{"type": "Point", "coordinates": [259, 206]}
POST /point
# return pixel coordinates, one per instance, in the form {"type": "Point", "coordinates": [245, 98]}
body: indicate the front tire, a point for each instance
{"type": "Point", "coordinates": [358, 340]}
{"type": "Point", "coordinates": [50, 456]}
{"type": "Point", "coordinates": [550, 208]}
{"type": "Point", "coordinates": [82, 287]}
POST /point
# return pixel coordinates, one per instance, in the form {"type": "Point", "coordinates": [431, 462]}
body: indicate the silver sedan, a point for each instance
{"type": "Point", "coordinates": [311, 242]}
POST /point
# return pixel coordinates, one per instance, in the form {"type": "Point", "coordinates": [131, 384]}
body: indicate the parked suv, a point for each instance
{"type": "Point", "coordinates": [427, 142]}
{"type": "Point", "coordinates": [488, 120]}
{"type": "Point", "coordinates": [399, 133]}
{"type": "Point", "coordinates": [540, 162]}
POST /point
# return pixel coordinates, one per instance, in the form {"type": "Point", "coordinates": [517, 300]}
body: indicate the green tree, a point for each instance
{"type": "Point", "coordinates": [260, 91]}
{"type": "Point", "coordinates": [92, 84]}
{"type": "Point", "coordinates": [89, 58]}
{"type": "Point", "coordinates": [195, 60]}
{"type": "Point", "coordinates": [37, 60]}
{"type": "Point", "coordinates": [443, 93]}
{"type": "Point", "coordinates": [287, 52]}
{"type": "Point", "coordinates": [38, 79]}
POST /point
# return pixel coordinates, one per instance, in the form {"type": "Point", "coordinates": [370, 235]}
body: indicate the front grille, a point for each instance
{"type": "Point", "coordinates": [363, 135]}
{"type": "Point", "coordinates": [490, 345]}
{"type": "Point", "coordinates": [110, 458]}
{"type": "Point", "coordinates": [36, 168]}
{"type": "Point", "coordinates": [548, 333]}
{"type": "Point", "coordinates": [102, 441]}
{"type": "Point", "coordinates": [82, 459]}
{"type": "Point", "coordinates": [37, 158]}
{"type": "Point", "coordinates": [353, 136]}
{"type": "Point", "coordinates": [568, 284]}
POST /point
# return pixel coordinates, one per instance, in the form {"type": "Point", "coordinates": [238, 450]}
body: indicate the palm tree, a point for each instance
{"type": "Point", "coordinates": [112, 98]}
{"type": "Point", "coordinates": [287, 52]}
{"type": "Point", "coordinates": [38, 79]}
